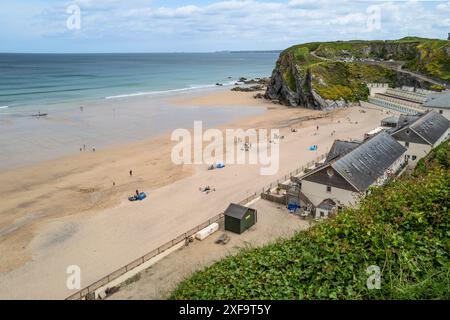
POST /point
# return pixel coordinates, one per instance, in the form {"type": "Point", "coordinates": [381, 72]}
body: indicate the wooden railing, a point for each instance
{"type": "Point", "coordinates": [90, 290]}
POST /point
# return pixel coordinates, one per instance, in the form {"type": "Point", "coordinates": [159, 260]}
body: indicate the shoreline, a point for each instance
{"type": "Point", "coordinates": [67, 210]}
{"type": "Point", "coordinates": [103, 124]}
{"type": "Point", "coordinates": [37, 186]}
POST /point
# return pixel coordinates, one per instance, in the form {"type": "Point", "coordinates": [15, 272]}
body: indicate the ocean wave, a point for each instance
{"type": "Point", "coordinates": [147, 93]}
{"type": "Point", "coordinates": [4, 107]}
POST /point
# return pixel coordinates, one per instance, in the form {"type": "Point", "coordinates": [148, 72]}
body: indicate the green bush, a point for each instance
{"type": "Point", "coordinates": [348, 80]}
{"type": "Point", "coordinates": [402, 227]}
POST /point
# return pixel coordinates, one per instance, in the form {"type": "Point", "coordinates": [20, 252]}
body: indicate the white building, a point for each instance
{"type": "Point", "coordinates": [349, 170]}
{"type": "Point", "coordinates": [420, 134]}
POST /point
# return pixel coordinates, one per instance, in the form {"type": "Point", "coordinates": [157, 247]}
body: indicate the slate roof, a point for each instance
{"type": "Point", "coordinates": [406, 119]}
{"type": "Point", "coordinates": [365, 164]}
{"type": "Point", "coordinates": [327, 204]}
{"type": "Point", "coordinates": [431, 126]}
{"type": "Point", "coordinates": [236, 211]}
{"type": "Point", "coordinates": [341, 148]}
{"type": "Point", "coordinates": [438, 100]}
{"type": "Point", "coordinates": [391, 119]}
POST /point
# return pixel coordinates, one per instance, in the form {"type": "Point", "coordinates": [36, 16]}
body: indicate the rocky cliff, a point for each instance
{"type": "Point", "coordinates": [332, 74]}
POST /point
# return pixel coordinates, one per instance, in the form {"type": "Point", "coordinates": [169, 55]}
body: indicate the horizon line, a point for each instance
{"type": "Point", "coordinates": [146, 52]}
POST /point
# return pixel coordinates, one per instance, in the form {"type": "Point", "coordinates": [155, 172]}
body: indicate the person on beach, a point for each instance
{"type": "Point", "coordinates": [317, 128]}
{"type": "Point", "coordinates": [93, 149]}
{"type": "Point", "coordinates": [131, 173]}
{"type": "Point", "coordinates": [84, 147]}
{"type": "Point", "coordinates": [137, 192]}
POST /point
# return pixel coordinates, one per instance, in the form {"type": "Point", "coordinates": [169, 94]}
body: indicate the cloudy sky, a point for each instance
{"type": "Point", "coordinates": [208, 25]}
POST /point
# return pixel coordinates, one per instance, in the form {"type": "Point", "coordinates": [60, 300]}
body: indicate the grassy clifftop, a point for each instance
{"type": "Point", "coordinates": [428, 56]}
{"type": "Point", "coordinates": [312, 73]}
{"type": "Point", "coordinates": [403, 227]}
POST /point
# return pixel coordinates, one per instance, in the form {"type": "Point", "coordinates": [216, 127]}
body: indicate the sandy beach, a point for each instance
{"type": "Point", "coordinates": [74, 210]}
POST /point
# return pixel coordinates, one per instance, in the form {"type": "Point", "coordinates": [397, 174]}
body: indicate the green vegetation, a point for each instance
{"type": "Point", "coordinates": [302, 55]}
{"type": "Point", "coordinates": [290, 80]}
{"type": "Point", "coordinates": [403, 228]}
{"type": "Point", "coordinates": [433, 59]}
{"type": "Point", "coordinates": [346, 80]}
{"type": "Point", "coordinates": [436, 87]}
{"type": "Point", "coordinates": [340, 49]}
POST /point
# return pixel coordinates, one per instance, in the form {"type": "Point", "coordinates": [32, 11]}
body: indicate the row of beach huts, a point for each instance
{"type": "Point", "coordinates": [351, 168]}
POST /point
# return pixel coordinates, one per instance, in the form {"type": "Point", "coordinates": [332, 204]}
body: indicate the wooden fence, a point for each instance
{"type": "Point", "coordinates": [89, 290]}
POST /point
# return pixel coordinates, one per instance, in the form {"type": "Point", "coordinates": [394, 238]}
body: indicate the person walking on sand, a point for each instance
{"type": "Point", "coordinates": [317, 128]}
{"type": "Point", "coordinates": [131, 173]}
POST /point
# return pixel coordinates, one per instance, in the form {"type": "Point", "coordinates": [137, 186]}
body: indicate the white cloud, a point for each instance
{"type": "Point", "coordinates": [246, 22]}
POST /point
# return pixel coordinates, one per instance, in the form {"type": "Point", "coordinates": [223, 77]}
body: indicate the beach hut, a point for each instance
{"type": "Point", "coordinates": [238, 218]}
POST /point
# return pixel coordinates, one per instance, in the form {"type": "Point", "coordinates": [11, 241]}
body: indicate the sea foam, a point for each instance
{"type": "Point", "coordinates": [147, 93]}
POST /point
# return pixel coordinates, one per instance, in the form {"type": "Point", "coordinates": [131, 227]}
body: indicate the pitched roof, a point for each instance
{"type": "Point", "coordinates": [431, 126]}
{"type": "Point", "coordinates": [362, 166]}
{"type": "Point", "coordinates": [438, 100]}
{"type": "Point", "coordinates": [407, 135]}
{"type": "Point", "coordinates": [391, 119]}
{"type": "Point", "coordinates": [406, 119]}
{"type": "Point", "coordinates": [236, 211]}
{"type": "Point", "coordinates": [365, 164]}
{"type": "Point", "coordinates": [327, 204]}
{"type": "Point", "coordinates": [341, 148]}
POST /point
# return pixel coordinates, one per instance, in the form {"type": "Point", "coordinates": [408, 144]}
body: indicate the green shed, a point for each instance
{"type": "Point", "coordinates": [238, 218]}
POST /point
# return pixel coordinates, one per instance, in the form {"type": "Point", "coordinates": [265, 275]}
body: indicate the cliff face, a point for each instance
{"type": "Point", "coordinates": [332, 74]}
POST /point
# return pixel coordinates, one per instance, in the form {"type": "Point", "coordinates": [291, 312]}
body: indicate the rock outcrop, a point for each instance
{"type": "Point", "coordinates": [333, 74]}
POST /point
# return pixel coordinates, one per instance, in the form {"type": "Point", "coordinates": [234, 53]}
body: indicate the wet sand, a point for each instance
{"type": "Point", "coordinates": [28, 140]}
{"type": "Point", "coordinates": [67, 212]}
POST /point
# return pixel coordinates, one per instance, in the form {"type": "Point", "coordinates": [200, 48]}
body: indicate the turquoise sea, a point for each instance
{"type": "Point", "coordinates": [41, 80]}
{"type": "Point", "coordinates": [125, 98]}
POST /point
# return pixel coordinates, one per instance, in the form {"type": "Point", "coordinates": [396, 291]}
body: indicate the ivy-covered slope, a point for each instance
{"type": "Point", "coordinates": [403, 228]}
{"type": "Point", "coordinates": [323, 75]}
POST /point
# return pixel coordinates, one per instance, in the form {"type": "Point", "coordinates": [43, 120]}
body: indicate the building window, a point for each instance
{"type": "Point", "coordinates": [322, 214]}
{"type": "Point", "coordinates": [329, 189]}
{"type": "Point", "coordinates": [407, 144]}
